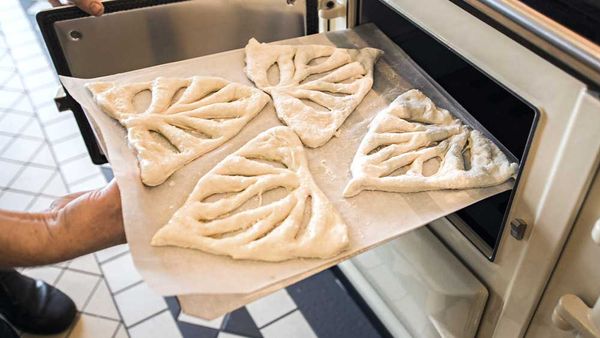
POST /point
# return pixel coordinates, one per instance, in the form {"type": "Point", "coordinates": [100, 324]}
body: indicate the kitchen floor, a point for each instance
{"type": "Point", "coordinates": [42, 156]}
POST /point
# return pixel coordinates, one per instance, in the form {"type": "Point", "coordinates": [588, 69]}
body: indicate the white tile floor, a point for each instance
{"type": "Point", "coordinates": [42, 156]}
{"type": "Point", "coordinates": [37, 151]}
{"type": "Point", "coordinates": [271, 307]}
{"type": "Point", "coordinates": [294, 325]}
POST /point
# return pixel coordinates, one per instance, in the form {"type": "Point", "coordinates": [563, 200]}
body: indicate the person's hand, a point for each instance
{"type": "Point", "coordinates": [96, 211]}
{"type": "Point", "coordinates": [93, 7]}
{"type": "Point", "coordinates": [74, 225]}
{"type": "Point", "coordinates": [62, 201]}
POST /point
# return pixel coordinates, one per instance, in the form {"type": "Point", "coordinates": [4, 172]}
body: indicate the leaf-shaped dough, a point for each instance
{"type": "Point", "coordinates": [186, 118]}
{"type": "Point", "coordinates": [414, 146]}
{"type": "Point", "coordinates": [229, 213]}
{"type": "Point", "coordinates": [318, 87]}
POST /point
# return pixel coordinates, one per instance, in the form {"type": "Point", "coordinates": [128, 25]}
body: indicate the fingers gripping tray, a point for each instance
{"type": "Point", "coordinates": [210, 285]}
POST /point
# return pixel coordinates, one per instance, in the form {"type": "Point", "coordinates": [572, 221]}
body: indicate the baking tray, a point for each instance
{"type": "Point", "coordinates": [219, 284]}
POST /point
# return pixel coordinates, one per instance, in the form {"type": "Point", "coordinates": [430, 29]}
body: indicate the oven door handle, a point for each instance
{"type": "Point", "coordinates": [571, 312]}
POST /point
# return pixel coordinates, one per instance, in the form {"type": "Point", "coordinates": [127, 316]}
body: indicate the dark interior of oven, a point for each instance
{"type": "Point", "coordinates": [504, 114]}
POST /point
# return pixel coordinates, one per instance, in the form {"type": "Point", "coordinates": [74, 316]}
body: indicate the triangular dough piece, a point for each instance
{"type": "Point", "coordinates": [414, 146]}
{"type": "Point", "coordinates": [259, 203]}
{"type": "Point", "coordinates": [317, 87]}
{"type": "Point", "coordinates": [186, 118]}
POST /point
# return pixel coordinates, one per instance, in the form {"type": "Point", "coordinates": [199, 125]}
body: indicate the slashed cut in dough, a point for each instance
{"type": "Point", "coordinates": [259, 203]}
{"type": "Point", "coordinates": [186, 118]}
{"type": "Point", "coordinates": [314, 87]}
{"type": "Point", "coordinates": [414, 146]}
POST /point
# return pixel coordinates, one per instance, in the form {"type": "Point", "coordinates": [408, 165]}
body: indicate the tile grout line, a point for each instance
{"type": "Point", "coordinates": [128, 287]}
{"type": "Point", "coordinates": [109, 290]}
{"type": "Point", "coordinates": [74, 158]}
{"type": "Point", "coordinates": [14, 137]}
{"type": "Point", "coordinates": [278, 318]}
{"type": "Point", "coordinates": [61, 116]}
{"type": "Point", "coordinates": [82, 271]}
{"type": "Point", "coordinates": [67, 137]}
{"type": "Point", "coordinates": [148, 318]}
{"type": "Point", "coordinates": [35, 152]}
{"type": "Point", "coordinates": [113, 257]}
{"type": "Point", "coordinates": [55, 174]}
{"type": "Point", "coordinates": [81, 180]}
{"type": "Point", "coordinates": [117, 330]}
{"type": "Point", "coordinates": [26, 137]}
{"type": "Point", "coordinates": [99, 316]}
{"type": "Point", "coordinates": [30, 164]}
{"type": "Point", "coordinates": [89, 297]}
{"type": "Point", "coordinates": [37, 195]}
{"type": "Point", "coordinates": [30, 193]}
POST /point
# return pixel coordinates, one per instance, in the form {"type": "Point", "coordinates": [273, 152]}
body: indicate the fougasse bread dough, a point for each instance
{"type": "Point", "coordinates": [186, 118]}
{"type": "Point", "coordinates": [413, 146]}
{"type": "Point", "coordinates": [317, 86]}
{"type": "Point", "coordinates": [229, 212]}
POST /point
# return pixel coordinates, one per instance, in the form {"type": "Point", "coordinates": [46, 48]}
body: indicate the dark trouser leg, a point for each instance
{"type": "Point", "coordinates": [33, 305]}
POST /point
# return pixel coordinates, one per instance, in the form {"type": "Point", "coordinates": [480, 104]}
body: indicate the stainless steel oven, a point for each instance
{"type": "Point", "coordinates": [528, 72]}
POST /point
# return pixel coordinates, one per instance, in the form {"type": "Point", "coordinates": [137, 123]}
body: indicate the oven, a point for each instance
{"type": "Point", "coordinates": [528, 72]}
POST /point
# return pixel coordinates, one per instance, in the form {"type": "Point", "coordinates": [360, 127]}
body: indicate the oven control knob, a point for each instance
{"type": "Point", "coordinates": [517, 228]}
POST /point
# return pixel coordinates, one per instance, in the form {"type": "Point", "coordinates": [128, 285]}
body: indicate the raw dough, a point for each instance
{"type": "Point", "coordinates": [414, 146]}
{"type": "Point", "coordinates": [230, 211]}
{"type": "Point", "coordinates": [186, 118]}
{"type": "Point", "coordinates": [312, 98]}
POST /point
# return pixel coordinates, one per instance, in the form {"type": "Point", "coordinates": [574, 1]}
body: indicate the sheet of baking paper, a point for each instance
{"type": "Point", "coordinates": [373, 217]}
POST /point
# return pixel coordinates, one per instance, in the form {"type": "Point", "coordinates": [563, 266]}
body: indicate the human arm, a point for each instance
{"type": "Point", "coordinates": [75, 225]}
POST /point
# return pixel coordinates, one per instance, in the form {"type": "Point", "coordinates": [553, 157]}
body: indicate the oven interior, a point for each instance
{"type": "Point", "coordinates": [503, 113]}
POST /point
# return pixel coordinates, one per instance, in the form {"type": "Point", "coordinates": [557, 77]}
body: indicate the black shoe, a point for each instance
{"type": "Point", "coordinates": [34, 306]}
{"type": "Point", "coordinates": [6, 331]}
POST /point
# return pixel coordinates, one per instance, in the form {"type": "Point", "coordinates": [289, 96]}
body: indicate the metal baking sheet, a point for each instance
{"type": "Point", "coordinates": [373, 217]}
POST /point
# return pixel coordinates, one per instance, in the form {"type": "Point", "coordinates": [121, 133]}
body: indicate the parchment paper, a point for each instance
{"type": "Point", "coordinates": [373, 217]}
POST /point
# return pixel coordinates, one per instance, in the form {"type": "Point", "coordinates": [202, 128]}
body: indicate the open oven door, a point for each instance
{"type": "Point", "coordinates": [136, 34]}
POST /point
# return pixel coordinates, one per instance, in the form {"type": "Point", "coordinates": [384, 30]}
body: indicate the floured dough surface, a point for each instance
{"type": "Point", "coordinates": [314, 87]}
{"type": "Point", "coordinates": [412, 146]}
{"type": "Point", "coordinates": [259, 203]}
{"type": "Point", "coordinates": [186, 118]}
